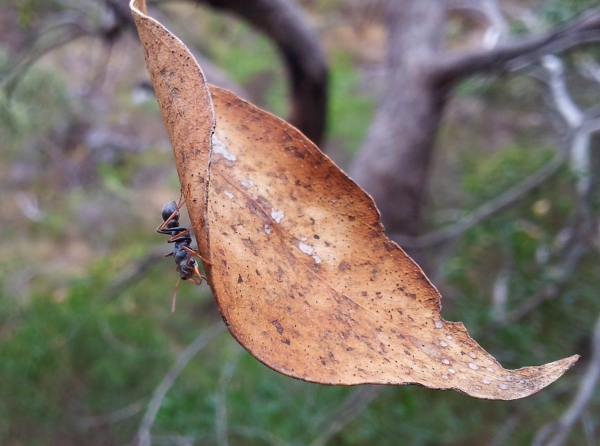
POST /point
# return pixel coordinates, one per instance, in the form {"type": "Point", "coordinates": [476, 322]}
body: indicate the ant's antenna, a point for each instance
{"type": "Point", "coordinates": [174, 301]}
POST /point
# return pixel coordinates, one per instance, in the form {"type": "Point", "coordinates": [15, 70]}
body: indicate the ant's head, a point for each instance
{"type": "Point", "coordinates": [169, 209]}
{"type": "Point", "coordinates": [189, 269]}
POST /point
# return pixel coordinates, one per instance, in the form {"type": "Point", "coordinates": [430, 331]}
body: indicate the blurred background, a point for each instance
{"type": "Point", "coordinates": [472, 123]}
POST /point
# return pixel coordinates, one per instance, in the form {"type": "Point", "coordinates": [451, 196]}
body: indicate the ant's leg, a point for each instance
{"type": "Point", "coordinates": [169, 254]}
{"type": "Point", "coordinates": [193, 280]}
{"type": "Point", "coordinates": [186, 231]}
{"type": "Point", "coordinates": [164, 224]}
{"type": "Point", "coordinates": [196, 272]}
{"type": "Point", "coordinates": [197, 254]}
{"type": "Point", "coordinates": [180, 235]}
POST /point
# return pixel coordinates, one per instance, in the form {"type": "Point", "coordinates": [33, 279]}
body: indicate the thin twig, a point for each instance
{"type": "Point", "coordinates": [173, 440]}
{"type": "Point", "coordinates": [117, 344]}
{"type": "Point", "coordinates": [134, 271]}
{"type": "Point", "coordinates": [241, 431]}
{"type": "Point", "coordinates": [555, 434]}
{"type": "Point", "coordinates": [490, 11]}
{"type": "Point", "coordinates": [504, 432]}
{"type": "Point", "coordinates": [548, 292]}
{"type": "Point", "coordinates": [489, 209]}
{"type": "Point", "coordinates": [221, 409]}
{"type": "Point", "coordinates": [582, 125]}
{"type": "Point", "coordinates": [113, 417]}
{"type": "Point", "coordinates": [500, 292]}
{"type": "Point", "coordinates": [143, 435]}
{"type": "Point", "coordinates": [563, 102]}
{"type": "Point", "coordinates": [253, 432]}
{"type": "Point", "coordinates": [589, 428]}
{"type": "Point", "coordinates": [66, 32]}
{"type": "Point", "coordinates": [352, 407]}
{"type": "Point", "coordinates": [518, 52]}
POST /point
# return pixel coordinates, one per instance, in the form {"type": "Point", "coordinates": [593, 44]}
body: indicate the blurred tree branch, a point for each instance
{"type": "Point", "coordinates": [394, 162]}
{"type": "Point", "coordinates": [517, 52]}
{"type": "Point", "coordinates": [286, 25]}
{"type": "Point", "coordinates": [555, 434]}
{"type": "Point", "coordinates": [115, 416]}
{"type": "Point", "coordinates": [282, 21]}
{"type": "Point", "coordinates": [143, 436]}
{"type": "Point", "coordinates": [487, 210]}
{"type": "Point", "coordinates": [350, 408]}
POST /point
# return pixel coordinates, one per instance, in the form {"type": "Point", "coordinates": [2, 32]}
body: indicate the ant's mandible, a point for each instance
{"type": "Point", "coordinates": [187, 266]}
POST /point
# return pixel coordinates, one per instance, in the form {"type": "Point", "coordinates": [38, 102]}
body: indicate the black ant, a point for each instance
{"type": "Point", "coordinates": [187, 266]}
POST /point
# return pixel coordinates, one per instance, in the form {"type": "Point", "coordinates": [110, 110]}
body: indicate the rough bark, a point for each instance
{"type": "Point", "coordinates": [394, 162]}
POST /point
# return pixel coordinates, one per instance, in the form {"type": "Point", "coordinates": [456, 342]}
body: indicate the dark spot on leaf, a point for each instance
{"type": "Point", "coordinates": [343, 266]}
{"type": "Point", "coordinates": [278, 327]}
{"type": "Point", "coordinates": [295, 151]}
{"type": "Point", "coordinates": [250, 245]}
{"type": "Point", "coordinates": [225, 320]}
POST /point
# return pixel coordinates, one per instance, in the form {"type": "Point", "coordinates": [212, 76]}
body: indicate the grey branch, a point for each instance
{"type": "Point", "coordinates": [489, 11]}
{"type": "Point", "coordinates": [518, 52]}
{"type": "Point", "coordinates": [499, 204]}
{"type": "Point", "coordinates": [221, 398]}
{"type": "Point", "coordinates": [287, 26]}
{"type": "Point", "coordinates": [581, 125]}
{"type": "Point", "coordinates": [143, 435]}
{"type": "Point", "coordinates": [550, 291]}
{"type": "Point", "coordinates": [113, 417]}
{"type": "Point", "coordinates": [50, 38]}
{"type": "Point", "coordinates": [563, 102]}
{"type": "Point", "coordinates": [555, 434]}
{"type": "Point", "coordinates": [352, 407]}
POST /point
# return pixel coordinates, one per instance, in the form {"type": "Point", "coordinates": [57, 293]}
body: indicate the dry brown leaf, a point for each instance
{"type": "Point", "coordinates": [186, 106]}
{"type": "Point", "coordinates": [301, 269]}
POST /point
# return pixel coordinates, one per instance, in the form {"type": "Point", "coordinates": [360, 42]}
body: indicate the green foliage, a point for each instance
{"type": "Point", "coordinates": [38, 102]}
{"type": "Point", "coordinates": [486, 178]}
{"type": "Point", "coordinates": [350, 112]}
{"type": "Point", "coordinates": [558, 11]}
{"type": "Point", "coordinates": [72, 347]}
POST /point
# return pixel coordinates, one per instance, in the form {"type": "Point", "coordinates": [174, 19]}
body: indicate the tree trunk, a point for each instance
{"type": "Point", "coordinates": [394, 162]}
